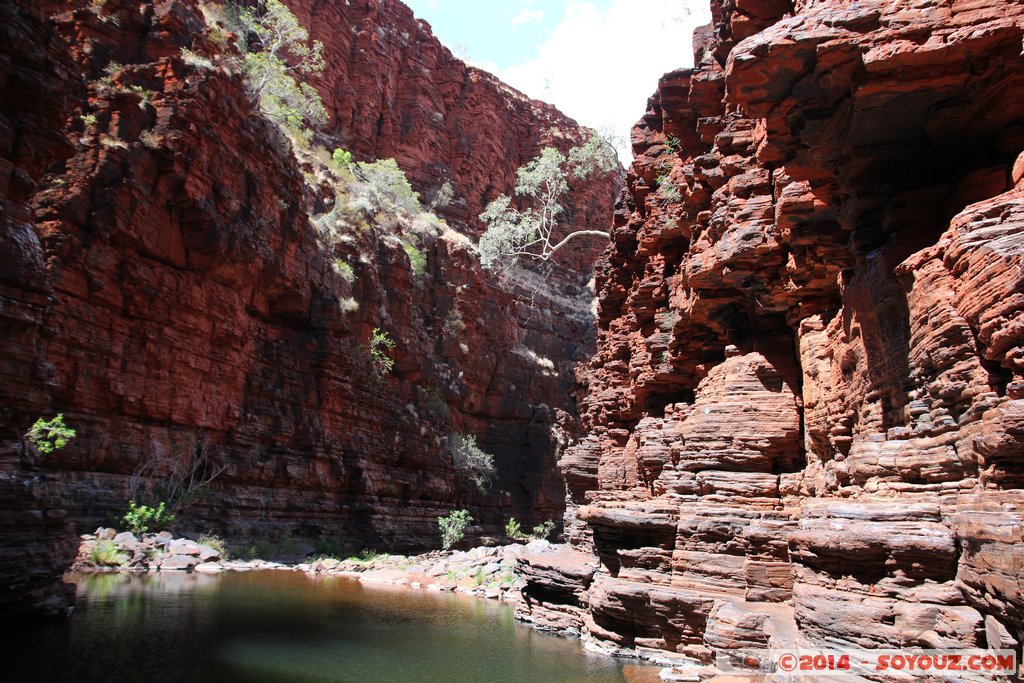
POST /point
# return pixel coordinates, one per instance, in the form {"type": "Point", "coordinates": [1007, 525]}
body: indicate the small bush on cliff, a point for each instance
{"type": "Point", "coordinates": [476, 462]}
{"type": "Point", "coordinates": [380, 345]}
{"type": "Point", "coordinates": [417, 259]}
{"type": "Point", "coordinates": [342, 158]}
{"type": "Point", "coordinates": [542, 184]}
{"type": "Point", "coordinates": [385, 185]}
{"type": "Point", "coordinates": [276, 49]}
{"type": "Point", "coordinates": [50, 435]}
{"type": "Point", "coordinates": [453, 527]}
{"type": "Point", "coordinates": [142, 518]}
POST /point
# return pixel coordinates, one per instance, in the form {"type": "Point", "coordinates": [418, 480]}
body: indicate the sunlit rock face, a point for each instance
{"type": "Point", "coordinates": [162, 285]}
{"type": "Point", "coordinates": [804, 419]}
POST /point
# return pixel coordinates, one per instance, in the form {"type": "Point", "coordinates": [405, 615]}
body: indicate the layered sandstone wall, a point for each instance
{"type": "Point", "coordinates": [163, 285]}
{"type": "Point", "coordinates": [805, 414]}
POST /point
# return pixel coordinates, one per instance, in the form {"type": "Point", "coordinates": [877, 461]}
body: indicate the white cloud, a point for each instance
{"type": "Point", "coordinates": [600, 67]}
{"type": "Point", "coordinates": [528, 15]}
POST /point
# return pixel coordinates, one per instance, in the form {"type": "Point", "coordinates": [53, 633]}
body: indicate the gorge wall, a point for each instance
{"type": "Point", "coordinates": [162, 283]}
{"type": "Point", "coordinates": [806, 414]}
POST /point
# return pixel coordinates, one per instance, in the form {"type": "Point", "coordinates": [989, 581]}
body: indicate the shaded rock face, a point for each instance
{"type": "Point", "coordinates": [804, 416]}
{"type": "Point", "coordinates": [161, 284]}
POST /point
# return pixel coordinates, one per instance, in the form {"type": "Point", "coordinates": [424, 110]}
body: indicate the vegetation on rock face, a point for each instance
{"type": "Point", "coordinates": [380, 345]}
{"type": "Point", "coordinates": [417, 259]}
{"type": "Point", "coordinates": [275, 48]}
{"type": "Point", "coordinates": [174, 480]}
{"type": "Point", "coordinates": [453, 527]}
{"type": "Point", "coordinates": [476, 462]}
{"type": "Point", "coordinates": [342, 158]}
{"type": "Point", "coordinates": [50, 435]}
{"type": "Point", "coordinates": [543, 183]}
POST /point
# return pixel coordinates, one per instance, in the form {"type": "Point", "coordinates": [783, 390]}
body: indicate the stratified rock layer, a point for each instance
{"type": "Point", "coordinates": [805, 414]}
{"type": "Point", "coordinates": [162, 284]}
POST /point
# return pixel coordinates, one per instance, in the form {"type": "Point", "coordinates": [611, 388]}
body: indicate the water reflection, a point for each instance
{"type": "Point", "coordinates": [285, 626]}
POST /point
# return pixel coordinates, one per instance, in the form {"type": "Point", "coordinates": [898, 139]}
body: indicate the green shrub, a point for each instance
{"type": "Point", "coordinates": [344, 269]}
{"type": "Point", "coordinates": [514, 530]}
{"type": "Point", "coordinates": [453, 527]}
{"type": "Point", "coordinates": [342, 158]}
{"type": "Point", "coordinates": [476, 462]}
{"type": "Point", "coordinates": [417, 259]}
{"type": "Point", "coordinates": [516, 232]}
{"type": "Point", "coordinates": [275, 49]}
{"type": "Point", "coordinates": [50, 435]}
{"type": "Point", "coordinates": [480, 577]}
{"type": "Point", "coordinates": [380, 345]}
{"type": "Point", "coordinates": [385, 185]}
{"type": "Point", "coordinates": [106, 554]}
{"type": "Point", "coordinates": [542, 531]}
{"type": "Point", "coordinates": [142, 518]}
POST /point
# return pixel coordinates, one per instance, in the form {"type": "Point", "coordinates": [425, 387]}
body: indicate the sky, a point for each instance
{"type": "Point", "coordinates": [596, 60]}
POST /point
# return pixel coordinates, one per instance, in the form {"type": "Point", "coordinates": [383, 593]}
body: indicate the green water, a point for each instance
{"type": "Point", "coordinates": [285, 626]}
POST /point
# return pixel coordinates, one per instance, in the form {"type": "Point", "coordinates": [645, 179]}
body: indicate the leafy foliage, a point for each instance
{"type": "Point", "coordinates": [276, 50]}
{"type": "Point", "coordinates": [106, 554]}
{"type": "Point", "coordinates": [540, 532]}
{"type": "Point", "coordinates": [476, 462]}
{"type": "Point", "coordinates": [542, 184]}
{"type": "Point", "coordinates": [142, 518]}
{"type": "Point", "coordinates": [453, 527]}
{"type": "Point", "coordinates": [385, 184]}
{"type": "Point", "coordinates": [514, 530]}
{"type": "Point", "coordinates": [344, 269]}
{"type": "Point", "coordinates": [417, 259]}
{"type": "Point", "coordinates": [50, 435]}
{"type": "Point", "coordinates": [543, 530]}
{"type": "Point", "coordinates": [380, 345]}
{"type": "Point", "coordinates": [342, 158]}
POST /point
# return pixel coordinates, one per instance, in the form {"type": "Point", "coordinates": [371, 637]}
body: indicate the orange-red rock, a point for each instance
{"type": "Point", "coordinates": [803, 416]}
{"type": "Point", "coordinates": [161, 284]}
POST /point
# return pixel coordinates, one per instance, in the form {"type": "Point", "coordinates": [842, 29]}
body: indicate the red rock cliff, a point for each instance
{"type": "Point", "coordinates": [162, 285]}
{"type": "Point", "coordinates": [805, 414]}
